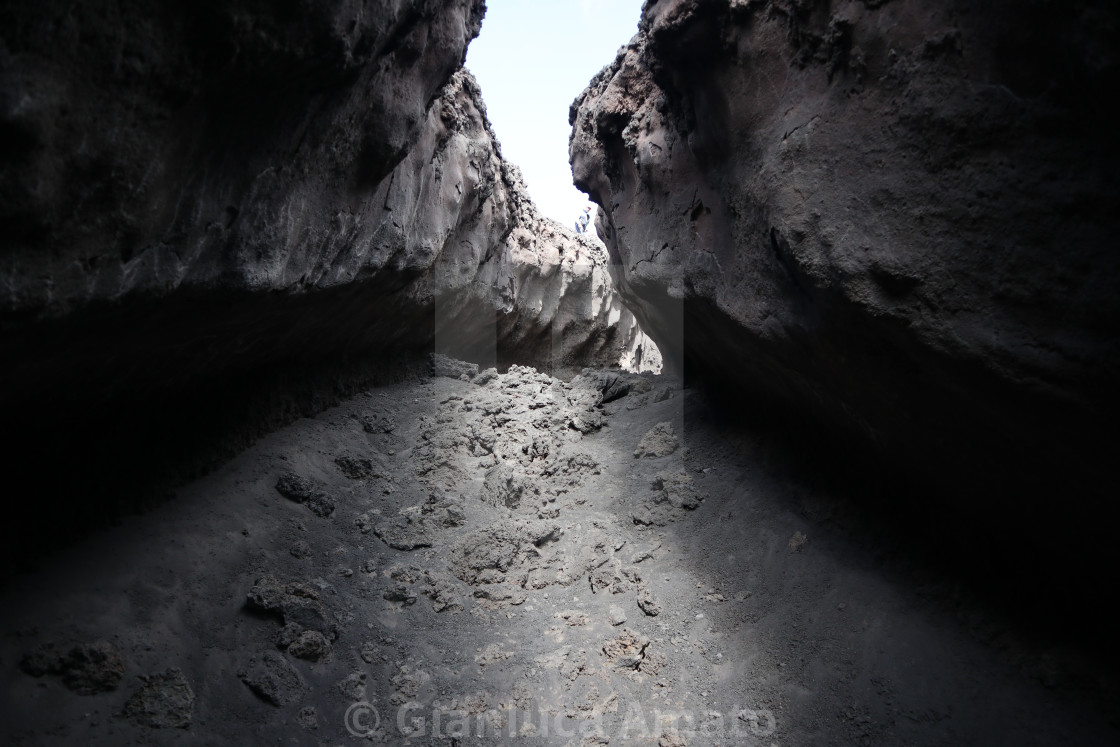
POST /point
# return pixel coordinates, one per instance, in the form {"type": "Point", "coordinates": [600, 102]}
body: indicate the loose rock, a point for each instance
{"type": "Point", "coordinates": [273, 679]}
{"type": "Point", "coordinates": [627, 650]}
{"type": "Point", "coordinates": [86, 669]}
{"type": "Point", "coordinates": [310, 645]}
{"type": "Point", "coordinates": [164, 701]}
{"type": "Point", "coordinates": [659, 441]}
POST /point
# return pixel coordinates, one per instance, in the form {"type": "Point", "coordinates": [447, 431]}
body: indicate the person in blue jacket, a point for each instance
{"type": "Point", "coordinates": [583, 220]}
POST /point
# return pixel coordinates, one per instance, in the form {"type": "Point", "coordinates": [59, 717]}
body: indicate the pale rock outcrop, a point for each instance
{"type": "Point", "coordinates": [502, 281]}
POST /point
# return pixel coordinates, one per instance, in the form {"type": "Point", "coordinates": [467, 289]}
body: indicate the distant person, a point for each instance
{"type": "Point", "coordinates": [583, 220]}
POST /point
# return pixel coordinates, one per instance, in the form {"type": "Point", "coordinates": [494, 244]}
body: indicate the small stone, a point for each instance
{"type": "Point", "coordinates": [676, 489]}
{"type": "Point", "coordinates": [288, 635]}
{"type": "Point", "coordinates": [311, 645]}
{"type": "Point", "coordinates": [308, 718]}
{"type": "Point", "coordinates": [294, 487]}
{"type": "Point", "coordinates": [295, 602]}
{"type": "Point", "coordinates": [586, 422]}
{"type": "Point", "coordinates": [648, 603]}
{"type": "Point", "coordinates": [321, 505]}
{"type": "Point", "coordinates": [273, 679]}
{"type": "Point", "coordinates": [627, 651]}
{"type": "Point", "coordinates": [356, 468]}
{"type": "Point", "coordinates": [400, 594]}
{"type": "Point", "coordinates": [797, 542]}
{"type": "Point", "coordinates": [353, 686]}
{"type": "Point", "coordinates": [659, 441]}
{"type": "Point", "coordinates": [671, 739]}
{"type": "Point", "coordinates": [164, 701]}
{"type": "Point", "coordinates": [301, 490]}
{"type": "Point", "coordinates": [574, 618]}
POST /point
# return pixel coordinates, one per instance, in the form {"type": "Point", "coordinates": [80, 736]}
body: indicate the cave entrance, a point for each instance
{"type": "Point", "coordinates": [531, 61]}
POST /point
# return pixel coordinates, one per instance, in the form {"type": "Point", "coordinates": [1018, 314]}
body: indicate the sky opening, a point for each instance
{"type": "Point", "coordinates": [531, 60]}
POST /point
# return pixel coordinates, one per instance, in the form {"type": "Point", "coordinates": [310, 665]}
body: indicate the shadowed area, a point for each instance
{"type": "Point", "coordinates": [516, 558]}
{"type": "Point", "coordinates": [323, 432]}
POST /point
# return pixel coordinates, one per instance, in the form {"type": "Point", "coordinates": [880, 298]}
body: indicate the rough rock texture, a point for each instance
{"type": "Point", "coordinates": [86, 669]}
{"type": "Point", "coordinates": [219, 216]}
{"type": "Point", "coordinates": [230, 145]}
{"type": "Point", "coordinates": [503, 282]}
{"type": "Point", "coordinates": [163, 701]}
{"type": "Point", "coordinates": [559, 620]}
{"type": "Point", "coordinates": [273, 679]}
{"type": "Point", "coordinates": [893, 225]}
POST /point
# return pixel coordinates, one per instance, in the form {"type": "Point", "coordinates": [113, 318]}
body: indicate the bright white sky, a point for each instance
{"type": "Point", "coordinates": [531, 60]}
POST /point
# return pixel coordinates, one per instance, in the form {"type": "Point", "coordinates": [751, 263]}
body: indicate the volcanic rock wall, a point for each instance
{"type": "Point", "coordinates": [217, 216]}
{"type": "Point", "coordinates": [501, 282]}
{"type": "Point", "coordinates": [893, 226]}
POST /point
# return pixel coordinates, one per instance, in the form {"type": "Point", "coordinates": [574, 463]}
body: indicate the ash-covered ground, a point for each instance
{"type": "Point", "coordinates": [485, 558]}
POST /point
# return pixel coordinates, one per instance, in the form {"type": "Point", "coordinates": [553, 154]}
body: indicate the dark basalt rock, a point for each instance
{"type": "Point", "coordinates": [891, 230]}
{"type": "Point", "coordinates": [273, 679]}
{"type": "Point", "coordinates": [182, 184]}
{"type": "Point", "coordinates": [163, 701]}
{"type": "Point", "coordinates": [86, 669]}
{"type": "Point", "coordinates": [218, 217]}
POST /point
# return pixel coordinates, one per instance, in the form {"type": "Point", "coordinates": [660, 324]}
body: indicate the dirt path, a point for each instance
{"type": "Point", "coordinates": [509, 559]}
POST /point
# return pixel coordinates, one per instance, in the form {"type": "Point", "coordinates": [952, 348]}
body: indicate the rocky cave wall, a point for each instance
{"type": "Point", "coordinates": [889, 228]}
{"type": "Point", "coordinates": [218, 216]}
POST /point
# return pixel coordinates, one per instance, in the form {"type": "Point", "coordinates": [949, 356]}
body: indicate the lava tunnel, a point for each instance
{"type": "Point", "coordinates": [321, 429]}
